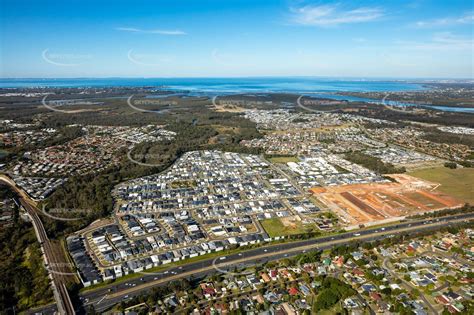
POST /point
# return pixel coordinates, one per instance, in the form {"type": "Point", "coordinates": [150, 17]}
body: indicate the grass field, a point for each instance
{"type": "Point", "coordinates": [458, 183]}
{"type": "Point", "coordinates": [274, 227]}
{"type": "Point", "coordinates": [283, 159]}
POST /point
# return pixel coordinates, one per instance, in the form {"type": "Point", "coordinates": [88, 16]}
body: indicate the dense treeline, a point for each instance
{"type": "Point", "coordinates": [332, 291]}
{"type": "Point", "coordinates": [431, 117]}
{"type": "Point", "coordinates": [437, 136]}
{"type": "Point", "coordinates": [373, 163]}
{"type": "Point", "coordinates": [464, 209]}
{"type": "Point", "coordinates": [24, 280]}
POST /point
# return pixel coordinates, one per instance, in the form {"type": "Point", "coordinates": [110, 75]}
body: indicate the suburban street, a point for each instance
{"type": "Point", "coordinates": [106, 296]}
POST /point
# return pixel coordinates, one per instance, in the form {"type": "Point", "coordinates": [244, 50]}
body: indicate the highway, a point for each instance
{"type": "Point", "coordinates": [53, 263]}
{"type": "Point", "coordinates": [105, 297]}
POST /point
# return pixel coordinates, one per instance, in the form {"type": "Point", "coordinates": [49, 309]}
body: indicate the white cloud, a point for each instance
{"type": "Point", "coordinates": [331, 15]}
{"type": "Point", "coordinates": [160, 32]}
{"type": "Point", "coordinates": [440, 41]}
{"type": "Point", "coordinates": [467, 18]}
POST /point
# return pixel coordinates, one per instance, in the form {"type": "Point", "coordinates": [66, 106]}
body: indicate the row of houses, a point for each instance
{"type": "Point", "coordinates": [91, 274]}
{"type": "Point", "coordinates": [38, 187]}
{"type": "Point", "coordinates": [86, 269]}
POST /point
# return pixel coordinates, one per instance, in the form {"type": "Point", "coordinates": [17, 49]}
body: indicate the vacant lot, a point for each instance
{"type": "Point", "coordinates": [458, 183]}
{"type": "Point", "coordinates": [283, 159]}
{"type": "Point", "coordinates": [275, 227]}
{"type": "Point", "coordinates": [361, 203]}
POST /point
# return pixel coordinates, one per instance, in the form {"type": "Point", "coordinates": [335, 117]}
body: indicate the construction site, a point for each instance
{"type": "Point", "coordinates": [365, 203]}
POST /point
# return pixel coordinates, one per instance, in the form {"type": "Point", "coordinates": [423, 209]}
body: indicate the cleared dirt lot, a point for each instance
{"type": "Point", "coordinates": [363, 203]}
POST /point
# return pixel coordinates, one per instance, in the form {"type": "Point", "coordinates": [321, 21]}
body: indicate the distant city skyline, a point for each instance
{"type": "Point", "coordinates": [158, 39]}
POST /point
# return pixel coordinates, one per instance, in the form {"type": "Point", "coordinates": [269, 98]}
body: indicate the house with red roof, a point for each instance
{"type": "Point", "coordinates": [293, 291]}
{"type": "Point", "coordinates": [441, 299]}
{"type": "Point", "coordinates": [207, 290]}
{"type": "Point", "coordinates": [339, 261]}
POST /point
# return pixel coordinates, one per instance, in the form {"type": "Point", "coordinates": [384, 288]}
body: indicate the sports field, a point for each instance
{"type": "Point", "coordinates": [458, 182]}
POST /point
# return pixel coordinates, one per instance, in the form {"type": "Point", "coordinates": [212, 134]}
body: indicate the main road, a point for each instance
{"type": "Point", "coordinates": [104, 297]}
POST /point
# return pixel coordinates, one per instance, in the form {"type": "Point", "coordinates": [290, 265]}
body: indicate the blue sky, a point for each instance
{"type": "Point", "coordinates": [228, 38]}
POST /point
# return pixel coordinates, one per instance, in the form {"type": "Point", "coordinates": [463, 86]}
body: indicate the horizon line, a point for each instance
{"type": "Point", "coordinates": [240, 77]}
